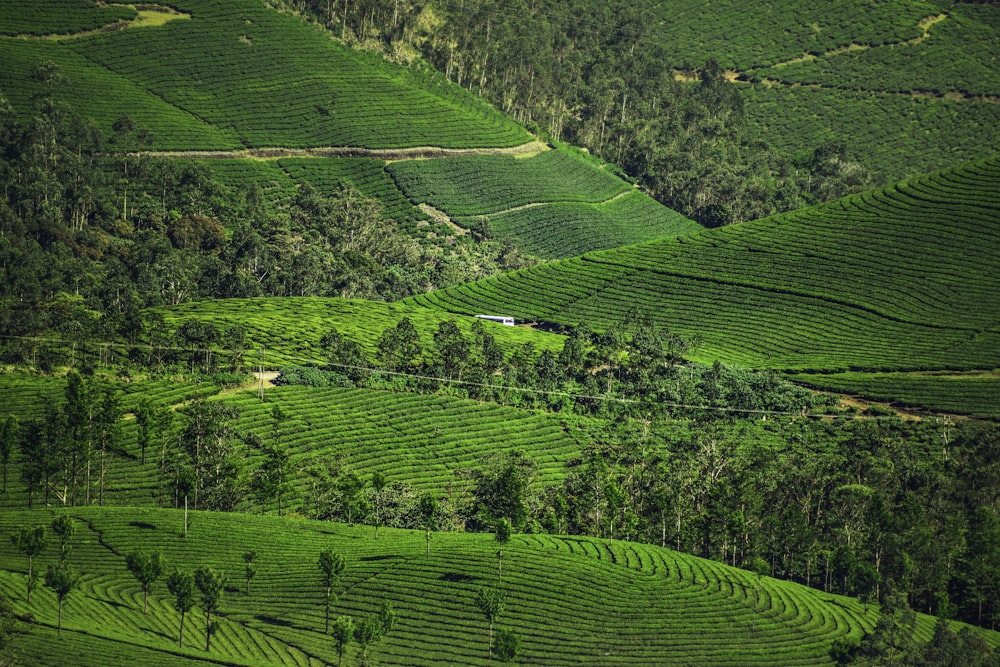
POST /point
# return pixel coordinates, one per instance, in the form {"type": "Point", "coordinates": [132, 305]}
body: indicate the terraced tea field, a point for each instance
{"type": "Point", "coordinates": [420, 440]}
{"type": "Point", "coordinates": [289, 328]}
{"type": "Point", "coordinates": [974, 394]}
{"type": "Point", "coordinates": [911, 87]}
{"type": "Point", "coordinates": [899, 278]}
{"type": "Point", "coordinates": [239, 73]}
{"type": "Point", "coordinates": [570, 600]}
{"type": "Point", "coordinates": [556, 203]}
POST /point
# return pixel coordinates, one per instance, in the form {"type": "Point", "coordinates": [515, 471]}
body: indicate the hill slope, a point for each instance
{"type": "Point", "coordinates": [902, 277]}
{"type": "Point", "coordinates": [629, 604]}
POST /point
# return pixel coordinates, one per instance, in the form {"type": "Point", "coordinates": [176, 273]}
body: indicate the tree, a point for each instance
{"type": "Point", "coordinates": [146, 568]}
{"type": "Point", "coordinates": [60, 579]}
{"type": "Point", "coordinates": [501, 488]}
{"type": "Point", "coordinates": [452, 349]}
{"type": "Point", "coordinates": [8, 631]}
{"type": "Point", "coordinates": [181, 586]}
{"type": "Point", "coordinates": [491, 602]}
{"type": "Point", "coordinates": [250, 571]}
{"type": "Point", "coordinates": [31, 542]}
{"type": "Point", "coordinates": [370, 629]}
{"type": "Point", "coordinates": [331, 565]}
{"type": "Point", "coordinates": [343, 632]}
{"type": "Point", "coordinates": [64, 528]}
{"type": "Point", "coordinates": [399, 346]}
{"type": "Point", "coordinates": [107, 431]}
{"type": "Point", "coordinates": [506, 645]}
{"type": "Point", "coordinates": [502, 533]}
{"type": "Point", "coordinates": [427, 509]}
{"type": "Point", "coordinates": [211, 585]}
{"type": "Point", "coordinates": [378, 489]}
{"type": "Point", "coordinates": [8, 436]}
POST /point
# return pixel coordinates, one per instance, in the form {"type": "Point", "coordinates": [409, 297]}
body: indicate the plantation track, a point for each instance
{"type": "Point", "coordinates": [527, 149]}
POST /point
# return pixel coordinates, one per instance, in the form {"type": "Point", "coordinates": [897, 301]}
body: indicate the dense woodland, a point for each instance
{"type": "Point", "coordinates": [92, 232]}
{"type": "Point", "coordinates": [593, 75]}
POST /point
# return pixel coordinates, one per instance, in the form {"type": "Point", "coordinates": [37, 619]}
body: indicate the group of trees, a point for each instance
{"type": "Point", "coordinates": [66, 452]}
{"type": "Point", "coordinates": [846, 505]}
{"type": "Point", "coordinates": [60, 577]}
{"type": "Point", "coordinates": [632, 370]}
{"type": "Point", "coordinates": [596, 75]}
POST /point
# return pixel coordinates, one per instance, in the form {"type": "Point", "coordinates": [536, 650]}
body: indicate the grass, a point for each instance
{"type": "Point", "coordinates": [899, 278]}
{"type": "Point", "coordinates": [571, 600]}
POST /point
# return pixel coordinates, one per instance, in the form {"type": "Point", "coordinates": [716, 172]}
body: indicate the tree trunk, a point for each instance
{"type": "Point", "coordinates": [180, 635]}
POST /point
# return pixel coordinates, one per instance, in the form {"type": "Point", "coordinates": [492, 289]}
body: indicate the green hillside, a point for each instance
{"type": "Point", "coordinates": [899, 278]}
{"type": "Point", "coordinates": [911, 86]}
{"type": "Point", "coordinates": [628, 604]}
{"type": "Point", "coordinates": [238, 73]}
{"type": "Point", "coordinates": [556, 204]}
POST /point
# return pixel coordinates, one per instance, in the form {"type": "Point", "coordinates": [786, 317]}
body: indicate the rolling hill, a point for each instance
{"type": "Point", "coordinates": [604, 603]}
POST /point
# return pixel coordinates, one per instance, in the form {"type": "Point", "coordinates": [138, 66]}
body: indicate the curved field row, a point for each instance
{"type": "Point", "coordinates": [977, 395]}
{"type": "Point", "coordinates": [571, 600]}
{"type": "Point", "coordinates": [26, 17]}
{"type": "Point", "coordinates": [421, 440]}
{"type": "Point", "coordinates": [569, 229]}
{"type": "Point", "coordinates": [736, 38]}
{"type": "Point", "coordinates": [369, 176]}
{"type": "Point", "coordinates": [100, 94]}
{"type": "Point", "coordinates": [896, 135]}
{"type": "Point", "coordinates": [242, 74]}
{"type": "Point", "coordinates": [949, 60]}
{"type": "Point", "coordinates": [484, 185]}
{"type": "Point", "coordinates": [892, 279]}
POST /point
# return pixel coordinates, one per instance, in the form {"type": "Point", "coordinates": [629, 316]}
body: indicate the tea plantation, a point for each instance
{"type": "Point", "coordinates": [903, 277]}
{"type": "Point", "coordinates": [241, 74]}
{"type": "Point", "coordinates": [570, 600]}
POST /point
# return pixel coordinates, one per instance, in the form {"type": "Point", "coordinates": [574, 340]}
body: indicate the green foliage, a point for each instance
{"type": "Point", "coordinates": [63, 527]}
{"type": "Point", "coordinates": [506, 644]}
{"type": "Point", "coordinates": [31, 542]}
{"type": "Point", "coordinates": [211, 585]}
{"type": "Point", "coordinates": [331, 566]}
{"type": "Point", "coordinates": [61, 579]}
{"type": "Point", "coordinates": [147, 569]}
{"type": "Point", "coordinates": [343, 632]}
{"type": "Point", "coordinates": [181, 586]}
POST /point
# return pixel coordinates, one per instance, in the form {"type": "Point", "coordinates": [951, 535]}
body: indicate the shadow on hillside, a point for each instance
{"type": "Point", "coordinates": [142, 524]}
{"type": "Point", "coordinates": [271, 620]}
{"type": "Point", "coordinates": [456, 577]}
